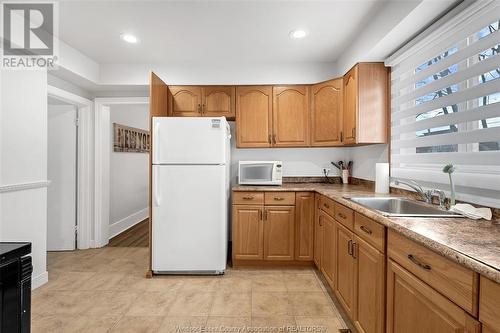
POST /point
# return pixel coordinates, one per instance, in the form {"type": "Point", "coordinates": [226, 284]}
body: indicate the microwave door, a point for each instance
{"type": "Point", "coordinates": [256, 174]}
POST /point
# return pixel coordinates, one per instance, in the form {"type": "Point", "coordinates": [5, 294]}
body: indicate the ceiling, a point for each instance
{"type": "Point", "coordinates": [206, 32]}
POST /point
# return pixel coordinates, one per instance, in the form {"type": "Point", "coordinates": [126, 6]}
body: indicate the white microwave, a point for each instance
{"type": "Point", "coordinates": [260, 172]}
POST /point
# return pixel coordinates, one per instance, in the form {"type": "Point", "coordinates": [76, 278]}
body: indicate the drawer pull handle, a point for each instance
{"type": "Point", "coordinates": [342, 216]}
{"type": "Point", "coordinates": [418, 263]}
{"type": "Point", "coordinates": [247, 198]}
{"type": "Point", "coordinates": [354, 250]}
{"type": "Point", "coordinates": [349, 247]}
{"type": "Point", "coordinates": [279, 198]}
{"type": "Point", "coordinates": [326, 205]}
{"type": "Point", "coordinates": [365, 229]}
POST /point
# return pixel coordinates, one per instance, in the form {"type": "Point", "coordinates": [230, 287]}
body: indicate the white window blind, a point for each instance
{"type": "Point", "coordinates": [445, 99]}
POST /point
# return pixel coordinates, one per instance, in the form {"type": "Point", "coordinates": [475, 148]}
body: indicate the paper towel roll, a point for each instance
{"type": "Point", "coordinates": [382, 177]}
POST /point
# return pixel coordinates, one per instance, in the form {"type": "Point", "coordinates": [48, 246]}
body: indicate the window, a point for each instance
{"type": "Point", "coordinates": [446, 106]}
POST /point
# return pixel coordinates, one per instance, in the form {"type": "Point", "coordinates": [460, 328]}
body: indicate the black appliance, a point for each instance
{"type": "Point", "coordinates": [15, 287]}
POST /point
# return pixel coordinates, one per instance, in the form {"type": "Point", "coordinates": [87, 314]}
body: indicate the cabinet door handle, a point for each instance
{"type": "Point", "coordinates": [274, 138]}
{"type": "Point", "coordinates": [354, 250]}
{"type": "Point", "coordinates": [199, 108]}
{"type": "Point", "coordinates": [419, 263]}
{"type": "Point", "coordinates": [247, 198]}
{"type": "Point", "coordinates": [203, 108]}
{"type": "Point", "coordinates": [354, 132]}
{"type": "Point", "coordinates": [265, 215]}
{"type": "Point", "coordinates": [342, 216]}
{"type": "Point", "coordinates": [341, 136]}
{"type": "Point", "coordinates": [326, 205]}
{"type": "Point", "coordinates": [365, 229]}
{"type": "Point", "coordinates": [349, 247]}
{"type": "Point", "coordinates": [260, 215]}
{"type": "Point", "coordinates": [269, 138]}
{"type": "Point", "coordinates": [279, 198]}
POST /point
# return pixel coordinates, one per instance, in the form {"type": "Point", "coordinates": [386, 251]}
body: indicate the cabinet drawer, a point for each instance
{"type": "Point", "coordinates": [279, 198]}
{"type": "Point", "coordinates": [456, 282]}
{"type": "Point", "coordinates": [370, 231]}
{"type": "Point", "coordinates": [248, 198]}
{"type": "Point", "coordinates": [489, 311]}
{"type": "Point", "coordinates": [327, 205]}
{"type": "Point", "coordinates": [344, 215]}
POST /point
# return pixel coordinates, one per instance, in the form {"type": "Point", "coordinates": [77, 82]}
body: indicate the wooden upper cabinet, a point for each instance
{"type": "Point", "coordinates": [366, 106]}
{"type": "Point", "coordinates": [185, 101]}
{"type": "Point", "coordinates": [290, 116]}
{"type": "Point", "coordinates": [279, 222]}
{"type": "Point", "coordinates": [304, 225]}
{"type": "Point", "coordinates": [253, 116]}
{"type": "Point", "coordinates": [415, 307]}
{"type": "Point", "coordinates": [218, 101]}
{"type": "Point", "coordinates": [326, 113]}
{"type": "Point", "coordinates": [248, 232]}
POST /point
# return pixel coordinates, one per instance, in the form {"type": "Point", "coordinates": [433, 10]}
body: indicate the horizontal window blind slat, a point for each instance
{"type": "Point", "coordinates": [447, 41]}
{"type": "Point", "coordinates": [474, 180]}
{"type": "Point", "coordinates": [469, 51]}
{"type": "Point", "coordinates": [479, 135]}
{"type": "Point", "coordinates": [479, 90]}
{"type": "Point", "coordinates": [477, 69]}
{"type": "Point", "coordinates": [478, 113]}
{"type": "Point", "coordinates": [468, 158]}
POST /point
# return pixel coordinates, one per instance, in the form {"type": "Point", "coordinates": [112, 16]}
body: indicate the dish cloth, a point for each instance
{"type": "Point", "coordinates": [472, 212]}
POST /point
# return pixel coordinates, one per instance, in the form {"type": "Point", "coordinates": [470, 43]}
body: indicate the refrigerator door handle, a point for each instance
{"type": "Point", "coordinates": [156, 190]}
{"type": "Point", "coordinates": [156, 138]}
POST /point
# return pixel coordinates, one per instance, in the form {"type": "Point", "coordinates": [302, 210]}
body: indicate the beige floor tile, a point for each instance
{"type": "Point", "coordinates": [68, 280]}
{"type": "Point", "coordinates": [112, 303]}
{"type": "Point", "coordinates": [273, 323]}
{"type": "Point", "coordinates": [151, 304]}
{"type": "Point", "coordinates": [182, 324]}
{"type": "Point", "coordinates": [62, 302]}
{"type": "Point", "coordinates": [72, 323]}
{"type": "Point", "coordinates": [232, 304]}
{"type": "Point", "coordinates": [165, 283]}
{"type": "Point", "coordinates": [227, 324]}
{"type": "Point", "coordinates": [191, 304]}
{"type": "Point", "coordinates": [301, 282]}
{"type": "Point", "coordinates": [330, 324]}
{"type": "Point", "coordinates": [200, 284]}
{"type": "Point", "coordinates": [104, 282]}
{"type": "Point", "coordinates": [147, 324]}
{"type": "Point", "coordinates": [235, 284]}
{"type": "Point", "coordinates": [134, 282]}
{"type": "Point", "coordinates": [270, 304]}
{"type": "Point", "coordinates": [268, 282]}
{"type": "Point", "coordinates": [311, 304]}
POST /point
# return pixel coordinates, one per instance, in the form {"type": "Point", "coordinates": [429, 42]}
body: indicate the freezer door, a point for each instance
{"type": "Point", "coordinates": [189, 218]}
{"type": "Point", "coordinates": [190, 140]}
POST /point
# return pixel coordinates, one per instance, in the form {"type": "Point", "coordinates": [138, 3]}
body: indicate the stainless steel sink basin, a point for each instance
{"type": "Point", "coordinates": [402, 207]}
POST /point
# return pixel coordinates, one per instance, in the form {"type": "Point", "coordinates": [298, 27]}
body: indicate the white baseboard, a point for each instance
{"type": "Point", "coordinates": [128, 222]}
{"type": "Point", "coordinates": [39, 280]}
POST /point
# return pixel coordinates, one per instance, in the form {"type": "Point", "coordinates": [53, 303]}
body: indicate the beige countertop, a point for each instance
{"type": "Point", "coordinates": [474, 244]}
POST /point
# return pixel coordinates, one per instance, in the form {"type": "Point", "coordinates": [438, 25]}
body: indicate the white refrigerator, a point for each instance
{"type": "Point", "coordinates": [191, 159]}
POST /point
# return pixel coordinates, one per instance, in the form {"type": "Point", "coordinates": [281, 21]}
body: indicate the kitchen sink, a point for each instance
{"type": "Point", "coordinates": [402, 207]}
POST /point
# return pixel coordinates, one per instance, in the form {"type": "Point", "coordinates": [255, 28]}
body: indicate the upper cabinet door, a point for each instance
{"type": "Point", "coordinates": [253, 116]}
{"type": "Point", "coordinates": [185, 101]}
{"type": "Point", "coordinates": [326, 114]}
{"type": "Point", "coordinates": [350, 105]}
{"type": "Point", "coordinates": [291, 116]}
{"type": "Point", "coordinates": [218, 101]}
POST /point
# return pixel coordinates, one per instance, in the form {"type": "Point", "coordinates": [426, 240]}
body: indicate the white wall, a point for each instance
{"type": "Point", "coordinates": [128, 172]}
{"type": "Point", "coordinates": [23, 159]}
{"type": "Point", "coordinates": [364, 159]}
{"type": "Point", "coordinates": [296, 161]}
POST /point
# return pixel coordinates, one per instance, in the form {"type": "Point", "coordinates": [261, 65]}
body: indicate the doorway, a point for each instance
{"type": "Point", "coordinates": [62, 141]}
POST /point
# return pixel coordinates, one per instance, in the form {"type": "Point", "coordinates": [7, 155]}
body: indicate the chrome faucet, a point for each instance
{"type": "Point", "coordinates": [425, 194]}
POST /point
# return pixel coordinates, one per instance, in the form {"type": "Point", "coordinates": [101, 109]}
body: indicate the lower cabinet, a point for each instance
{"type": "Point", "coordinates": [248, 232]}
{"type": "Point", "coordinates": [304, 225]}
{"type": "Point", "coordinates": [414, 307]}
{"type": "Point", "coordinates": [344, 286]}
{"type": "Point", "coordinates": [318, 233]}
{"type": "Point", "coordinates": [489, 309]}
{"type": "Point", "coordinates": [328, 248]}
{"type": "Point", "coordinates": [279, 232]}
{"type": "Point", "coordinates": [369, 289]}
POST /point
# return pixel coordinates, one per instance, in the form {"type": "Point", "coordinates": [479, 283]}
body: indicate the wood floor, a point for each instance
{"type": "Point", "coordinates": [137, 236]}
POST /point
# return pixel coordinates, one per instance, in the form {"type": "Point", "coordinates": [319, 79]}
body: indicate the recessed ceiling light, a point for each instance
{"type": "Point", "coordinates": [297, 34]}
{"type": "Point", "coordinates": [129, 38]}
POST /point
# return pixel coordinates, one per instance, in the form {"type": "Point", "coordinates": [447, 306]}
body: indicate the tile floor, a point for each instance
{"type": "Point", "coordinates": [104, 290]}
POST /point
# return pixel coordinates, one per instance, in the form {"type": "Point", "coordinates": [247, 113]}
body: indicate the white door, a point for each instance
{"type": "Point", "coordinates": [190, 140]}
{"type": "Point", "coordinates": [61, 170]}
{"type": "Point", "coordinates": [189, 218]}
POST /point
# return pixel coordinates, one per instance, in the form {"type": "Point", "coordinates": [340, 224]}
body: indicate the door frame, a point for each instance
{"type": "Point", "coordinates": [85, 168]}
{"type": "Point", "coordinates": [102, 149]}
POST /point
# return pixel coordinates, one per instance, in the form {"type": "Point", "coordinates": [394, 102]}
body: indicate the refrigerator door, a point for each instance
{"type": "Point", "coordinates": [190, 140]}
{"type": "Point", "coordinates": [189, 219]}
